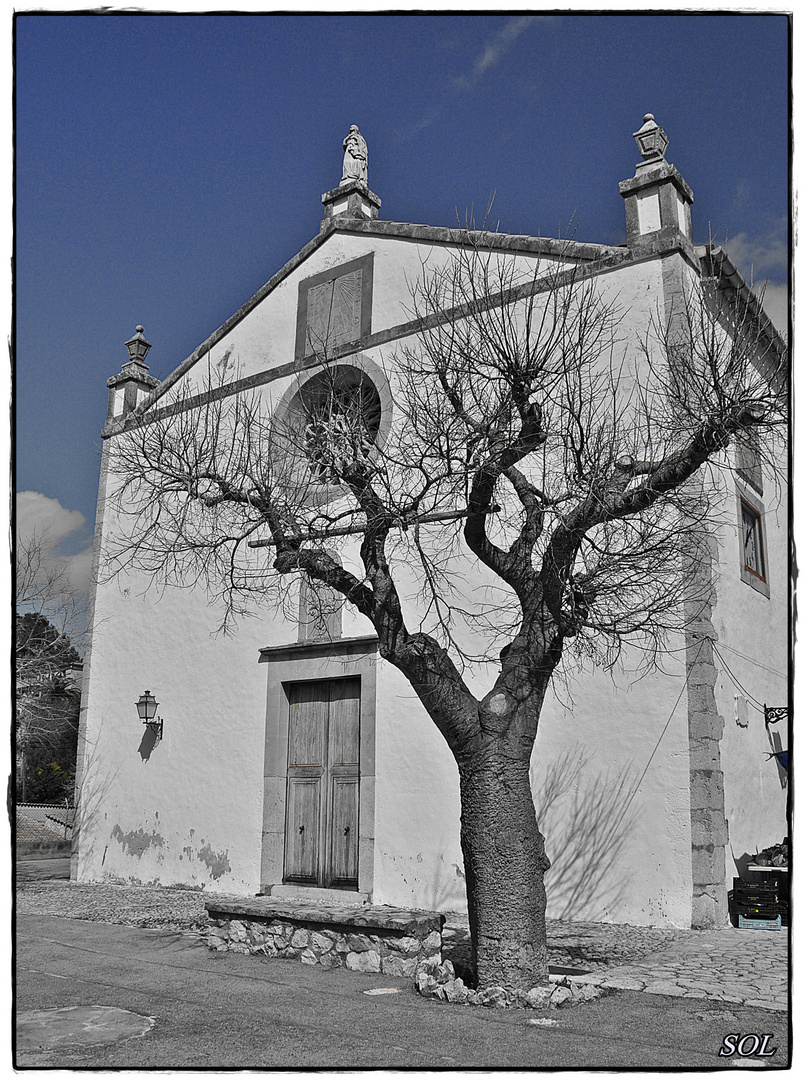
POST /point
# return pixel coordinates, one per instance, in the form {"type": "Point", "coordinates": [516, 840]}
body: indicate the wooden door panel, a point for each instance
{"type": "Point", "coordinates": [323, 788]}
{"type": "Point", "coordinates": [308, 724]}
{"type": "Point", "coordinates": [302, 829]}
{"type": "Point", "coordinates": [344, 723]}
{"type": "Point", "coordinates": [344, 831]}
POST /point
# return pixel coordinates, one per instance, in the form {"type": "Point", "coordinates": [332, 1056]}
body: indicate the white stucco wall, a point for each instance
{"type": "Point", "coordinates": [187, 810]}
{"type": "Point", "coordinates": [418, 858]}
{"type": "Point", "coordinates": [753, 643]}
{"type": "Point", "coordinates": [610, 777]}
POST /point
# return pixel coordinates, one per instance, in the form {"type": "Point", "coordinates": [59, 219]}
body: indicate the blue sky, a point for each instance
{"type": "Point", "coordinates": [167, 166]}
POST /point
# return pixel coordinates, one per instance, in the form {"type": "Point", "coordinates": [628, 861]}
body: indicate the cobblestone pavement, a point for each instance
{"type": "Point", "coordinates": [738, 966]}
{"type": "Point", "coordinates": [746, 967]}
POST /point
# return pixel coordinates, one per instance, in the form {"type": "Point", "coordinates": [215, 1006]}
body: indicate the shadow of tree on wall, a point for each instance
{"type": "Point", "coordinates": [586, 821]}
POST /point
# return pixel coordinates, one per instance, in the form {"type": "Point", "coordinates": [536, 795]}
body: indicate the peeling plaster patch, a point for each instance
{"type": "Point", "coordinates": [217, 862]}
{"type": "Point", "coordinates": [136, 842]}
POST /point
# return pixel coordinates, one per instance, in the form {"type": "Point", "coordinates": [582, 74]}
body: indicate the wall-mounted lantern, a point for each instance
{"type": "Point", "coordinates": [146, 708]}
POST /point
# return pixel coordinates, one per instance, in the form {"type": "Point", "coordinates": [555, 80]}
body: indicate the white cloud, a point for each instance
{"type": "Point", "coordinates": [758, 257]}
{"type": "Point", "coordinates": [38, 515]}
{"type": "Point", "coordinates": [489, 58]}
{"type": "Point", "coordinates": [499, 46]}
{"type": "Point", "coordinates": [51, 523]}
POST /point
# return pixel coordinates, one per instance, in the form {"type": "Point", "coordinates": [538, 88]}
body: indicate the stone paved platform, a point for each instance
{"type": "Point", "coordinates": [746, 967]}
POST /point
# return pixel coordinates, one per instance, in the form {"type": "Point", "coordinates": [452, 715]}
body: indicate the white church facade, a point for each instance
{"type": "Point", "coordinates": [293, 760]}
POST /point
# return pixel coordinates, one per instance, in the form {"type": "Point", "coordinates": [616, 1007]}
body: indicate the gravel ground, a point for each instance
{"type": "Point", "coordinates": [131, 905]}
{"type": "Point", "coordinates": [571, 944]}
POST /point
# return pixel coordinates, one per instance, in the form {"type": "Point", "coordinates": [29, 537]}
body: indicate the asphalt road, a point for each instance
{"type": "Point", "coordinates": [228, 1011]}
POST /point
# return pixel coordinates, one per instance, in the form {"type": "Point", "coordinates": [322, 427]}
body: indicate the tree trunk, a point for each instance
{"type": "Point", "coordinates": [505, 863]}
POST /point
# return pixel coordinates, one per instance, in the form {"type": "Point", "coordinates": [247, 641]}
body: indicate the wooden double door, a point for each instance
{"type": "Point", "coordinates": [323, 788]}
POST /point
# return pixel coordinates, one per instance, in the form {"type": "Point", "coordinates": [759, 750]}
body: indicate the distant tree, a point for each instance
{"type": "Point", "coordinates": [47, 668]}
{"type": "Point", "coordinates": [579, 473]}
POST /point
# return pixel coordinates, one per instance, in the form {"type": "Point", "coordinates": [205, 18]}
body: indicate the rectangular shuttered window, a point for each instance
{"type": "Point", "coordinates": [320, 611]}
{"type": "Point", "coordinates": [753, 545]}
{"type": "Point", "coordinates": [754, 568]}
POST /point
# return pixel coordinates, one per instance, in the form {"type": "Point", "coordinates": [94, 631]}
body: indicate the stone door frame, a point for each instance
{"type": "Point", "coordinates": [308, 661]}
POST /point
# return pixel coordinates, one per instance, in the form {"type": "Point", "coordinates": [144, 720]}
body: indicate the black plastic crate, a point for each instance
{"type": "Point", "coordinates": [765, 911]}
{"type": "Point", "coordinates": [755, 888]}
{"type": "Point", "coordinates": [758, 901]}
{"type": "Point", "coordinates": [777, 877]}
{"type": "Point", "coordinates": [765, 908]}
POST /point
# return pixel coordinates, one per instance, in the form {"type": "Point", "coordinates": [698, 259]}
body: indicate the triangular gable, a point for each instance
{"type": "Point", "coordinates": [572, 251]}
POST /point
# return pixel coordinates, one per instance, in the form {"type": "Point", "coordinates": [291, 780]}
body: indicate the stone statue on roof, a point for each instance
{"type": "Point", "coordinates": [355, 157]}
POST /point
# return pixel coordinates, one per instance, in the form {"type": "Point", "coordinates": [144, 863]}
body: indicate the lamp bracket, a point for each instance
{"type": "Point", "coordinates": [155, 725]}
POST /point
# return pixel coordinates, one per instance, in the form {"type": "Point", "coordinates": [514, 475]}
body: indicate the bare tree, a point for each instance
{"type": "Point", "coordinates": [49, 624]}
{"type": "Point", "coordinates": [577, 475]}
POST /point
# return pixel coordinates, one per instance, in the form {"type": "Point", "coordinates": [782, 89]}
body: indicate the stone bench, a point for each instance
{"type": "Point", "coordinates": [383, 939]}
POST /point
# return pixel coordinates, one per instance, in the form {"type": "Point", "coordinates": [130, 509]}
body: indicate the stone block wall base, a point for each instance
{"type": "Point", "coordinates": [366, 939]}
{"type": "Point", "coordinates": [710, 908]}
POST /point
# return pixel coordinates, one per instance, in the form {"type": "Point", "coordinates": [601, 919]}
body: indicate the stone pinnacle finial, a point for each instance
{"type": "Point", "coordinates": [657, 197]}
{"type": "Point", "coordinates": [651, 140]}
{"type": "Point", "coordinates": [131, 386]}
{"type": "Point", "coordinates": [138, 346]}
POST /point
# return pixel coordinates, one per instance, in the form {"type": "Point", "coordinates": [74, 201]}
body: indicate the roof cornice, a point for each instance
{"type": "Point", "coordinates": [481, 238]}
{"type": "Point", "coordinates": [716, 263]}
